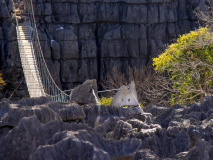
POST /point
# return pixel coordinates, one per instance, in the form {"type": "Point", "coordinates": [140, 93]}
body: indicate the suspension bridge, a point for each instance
{"type": "Point", "coordinates": [37, 76]}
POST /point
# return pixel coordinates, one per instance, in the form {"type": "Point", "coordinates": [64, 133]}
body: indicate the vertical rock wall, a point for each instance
{"type": "Point", "coordinates": [84, 39]}
{"type": "Point", "coordinates": [8, 39]}
{"type": "Point", "coordinates": [10, 61]}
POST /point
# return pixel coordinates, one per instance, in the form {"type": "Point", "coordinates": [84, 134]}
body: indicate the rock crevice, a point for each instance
{"type": "Point", "coordinates": [41, 129]}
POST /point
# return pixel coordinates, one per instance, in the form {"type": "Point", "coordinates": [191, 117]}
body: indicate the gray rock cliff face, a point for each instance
{"type": "Point", "coordinates": [85, 39]}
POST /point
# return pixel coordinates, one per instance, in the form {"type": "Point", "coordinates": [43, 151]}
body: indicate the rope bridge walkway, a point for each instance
{"type": "Point", "coordinates": [38, 78]}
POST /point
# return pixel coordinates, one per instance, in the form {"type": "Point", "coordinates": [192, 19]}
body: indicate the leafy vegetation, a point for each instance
{"type": "Point", "coordinates": [151, 86]}
{"type": "Point", "coordinates": [2, 82]}
{"type": "Point", "coordinates": [189, 62]}
{"type": "Point", "coordinates": [105, 100]}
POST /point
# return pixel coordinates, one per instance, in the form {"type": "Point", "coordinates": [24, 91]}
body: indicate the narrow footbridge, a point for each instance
{"type": "Point", "coordinates": [37, 76]}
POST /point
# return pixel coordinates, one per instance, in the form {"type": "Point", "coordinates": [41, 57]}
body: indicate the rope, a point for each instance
{"type": "Point", "coordinates": [20, 43]}
{"type": "Point", "coordinates": [50, 87]}
{"type": "Point", "coordinates": [68, 90]}
{"type": "Point", "coordinates": [56, 95]}
{"type": "Point", "coordinates": [96, 100]}
{"type": "Point", "coordinates": [16, 89]}
{"type": "Point", "coordinates": [136, 100]}
{"type": "Point", "coordinates": [97, 121]}
{"type": "Point", "coordinates": [112, 90]}
{"type": "Point", "coordinates": [146, 115]}
{"type": "Point", "coordinates": [47, 80]}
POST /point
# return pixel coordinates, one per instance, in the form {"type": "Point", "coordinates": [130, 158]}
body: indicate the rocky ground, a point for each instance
{"type": "Point", "coordinates": [39, 129]}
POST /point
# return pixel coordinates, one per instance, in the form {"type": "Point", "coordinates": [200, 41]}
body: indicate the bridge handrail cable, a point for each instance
{"type": "Point", "coordinates": [50, 87]}
{"type": "Point", "coordinates": [19, 39]}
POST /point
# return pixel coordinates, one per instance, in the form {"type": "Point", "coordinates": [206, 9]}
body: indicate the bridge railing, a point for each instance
{"type": "Point", "coordinates": [50, 87]}
{"type": "Point", "coordinates": [27, 74]}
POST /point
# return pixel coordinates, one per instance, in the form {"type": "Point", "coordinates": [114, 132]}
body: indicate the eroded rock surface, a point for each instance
{"type": "Point", "coordinates": [177, 132]}
{"type": "Point", "coordinates": [45, 111]}
{"type": "Point", "coordinates": [85, 39]}
{"type": "Point", "coordinates": [83, 94]}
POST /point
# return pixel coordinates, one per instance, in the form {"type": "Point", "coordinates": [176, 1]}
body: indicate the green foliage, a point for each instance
{"type": "Point", "coordinates": [189, 62]}
{"type": "Point", "coordinates": [2, 82]}
{"type": "Point", "coordinates": [105, 100]}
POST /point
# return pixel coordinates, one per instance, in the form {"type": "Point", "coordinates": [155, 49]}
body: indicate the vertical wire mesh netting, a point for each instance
{"type": "Point", "coordinates": [50, 87]}
{"type": "Point", "coordinates": [29, 74]}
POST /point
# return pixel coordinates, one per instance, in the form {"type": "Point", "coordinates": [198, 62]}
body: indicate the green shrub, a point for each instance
{"type": "Point", "coordinates": [150, 85]}
{"type": "Point", "coordinates": [189, 62]}
{"type": "Point", "coordinates": [2, 82]}
{"type": "Point", "coordinates": [105, 100]}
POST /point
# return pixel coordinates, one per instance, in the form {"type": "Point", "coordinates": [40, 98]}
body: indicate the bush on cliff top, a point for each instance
{"type": "Point", "coordinates": [189, 62]}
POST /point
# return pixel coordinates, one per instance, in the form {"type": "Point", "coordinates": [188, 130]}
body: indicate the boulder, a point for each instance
{"type": "Point", "coordinates": [181, 132]}
{"type": "Point", "coordinates": [177, 132]}
{"type": "Point", "coordinates": [22, 141]}
{"type": "Point", "coordinates": [123, 148]}
{"type": "Point", "coordinates": [68, 112]}
{"type": "Point", "coordinates": [12, 112]}
{"type": "Point", "coordinates": [4, 107]}
{"type": "Point", "coordinates": [70, 148]}
{"type": "Point", "coordinates": [146, 154]}
{"type": "Point", "coordinates": [82, 94]}
{"type": "Point", "coordinates": [126, 95]}
{"type": "Point", "coordinates": [25, 139]}
{"type": "Point", "coordinates": [109, 112]}
{"type": "Point", "coordinates": [42, 112]}
{"type": "Point", "coordinates": [121, 130]}
{"type": "Point", "coordinates": [138, 124]}
{"type": "Point", "coordinates": [200, 151]}
{"type": "Point", "coordinates": [44, 109]}
{"type": "Point", "coordinates": [58, 140]}
{"type": "Point", "coordinates": [32, 101]}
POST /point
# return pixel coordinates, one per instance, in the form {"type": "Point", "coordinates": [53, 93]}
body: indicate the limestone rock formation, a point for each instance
{"type": "Point", "coordinates": [68, 112]}
{"type": "Point", "coordinates": [45, 111]}
{"type": "Point", "coordinates": [83, 94]}
{"type": "Point", "coordinates": [85, 39]}
{"type": "Point", "coordinates": [177, 132]}
{"type": "Point", "coordinates": [202, 150]}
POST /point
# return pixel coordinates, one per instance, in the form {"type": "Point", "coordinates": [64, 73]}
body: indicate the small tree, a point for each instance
{"type": "Point", "coordinates": [207, 16]}
{"type": "Point", "coordinates": [189, 63]}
